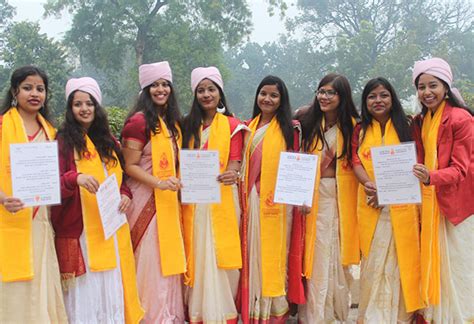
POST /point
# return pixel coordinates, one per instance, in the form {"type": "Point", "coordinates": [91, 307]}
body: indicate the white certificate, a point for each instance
{"type": "Point", "coordinates": [108, 199]}
{"type": "Point", "coordinates": [393, 169]}
{"type": "Point", "coordinates": [296, 177]}
{"type": "Point", "coordinates": [199, 170]}
{"type": "Point", "coordinates": [35, 173]}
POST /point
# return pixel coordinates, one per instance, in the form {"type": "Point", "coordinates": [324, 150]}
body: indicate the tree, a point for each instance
{"type": "Point", "coordinates": [371, 38]}
{"type": "Point", "coordinates": [25, 45]}
{"type": "Point", "coordinates": [114, 37]}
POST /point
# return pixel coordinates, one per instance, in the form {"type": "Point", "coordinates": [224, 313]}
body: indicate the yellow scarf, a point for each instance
{"type": "Point", "coordinates": [168, 217]}
{"type": "Point", "coordinates": [101, 252]}
{"type": "Point", "coordinates": [272, 215]}
{"type": "Point", "coordinates": [404, 218]}
{"type": "Point", "coordinates": [430, 214]}
{"type": "Point", "coordinates": [347, 203]}
{"type": "Point", "coordinates": [16, 250]}
{"type": "Point", "coordinates": [224, 219]}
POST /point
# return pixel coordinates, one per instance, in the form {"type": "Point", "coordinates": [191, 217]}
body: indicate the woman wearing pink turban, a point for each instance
{"type": "Point", "coordinates": [151, 140]}
{"type": "Point", "coordinates": [211, 230]}
{"type": "Point", "coordinates": [447, 173]}
{"type": "Point", "coordinates": [98, 274]}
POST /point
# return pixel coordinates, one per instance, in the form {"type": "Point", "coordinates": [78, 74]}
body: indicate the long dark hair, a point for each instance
{"type": "Point", "coordinates": [73, 134]}
{"type": "Point", "coordinates": [145, 104]}
{"type": "Point", "coordinates": [18, 76]}
{"type": "Point", "coordinates": [451, 98]}
{"type": "Point", "coordinates": [192, 122]}
{"type": "Point", "coordinates": [311, 120]}
{"type": "Point", "coordinates": [400, 121]}
{"type": "Point", "coordinates": [283, 113]}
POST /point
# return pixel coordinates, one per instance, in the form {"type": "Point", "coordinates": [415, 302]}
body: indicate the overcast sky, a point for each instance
{"type": "Point", "coordinates": [266, 28]}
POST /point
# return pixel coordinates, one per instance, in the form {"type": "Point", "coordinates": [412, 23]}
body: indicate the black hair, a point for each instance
{"type": "Point", "coordinates": [73, 133]}
{"type": "Point", "coordinates": [171, 112]}
{"type": "Point", "coordinates": [283, 113]}
{"type": "Point", "coordinates": [18, 76]}
{"type": "Point", "coordinates": [400, 121]}
{"type": "Point", "coordinates": [192, 122]}
{"type": "Point", "coordinates": [311, 119]}
{"type": "Point", "coordinates": [451, 98]}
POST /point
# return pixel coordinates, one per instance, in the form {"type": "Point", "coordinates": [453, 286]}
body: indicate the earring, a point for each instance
{"type": "Point", "coordinates": [446, 96]}
{"type": "Point", "coordinates": [14, 102]}
{"type": "Point", "coordinates": [221, 108]}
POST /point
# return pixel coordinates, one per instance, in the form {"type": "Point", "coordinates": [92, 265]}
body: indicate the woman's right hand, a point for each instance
{"type": "Point", "coordinates": [88, 182]}
{"type": "Point", "coordinates": [172, 183]}
{"type": "Point", "coordinates": [12, 204]}
{"type": "Point", "coordinates": [370, 189]}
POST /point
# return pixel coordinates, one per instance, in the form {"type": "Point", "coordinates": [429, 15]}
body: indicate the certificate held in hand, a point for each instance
{"type": "Point", "coordinates": [295, 180]}
{"type": "Point", "coordinates": [199, 170]}
{"type": "Point", "coordinates": [394, 178]}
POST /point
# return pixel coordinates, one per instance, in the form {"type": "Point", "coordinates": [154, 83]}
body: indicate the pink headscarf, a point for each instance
{"type": "Point", "coordinates": [85, 84]}
{"type": "Point", "coordinates": [149, 73]}
{"type": "Point", "coordinates": [438, 68]}
{"type": "Point", "coordinates": [201, 73]}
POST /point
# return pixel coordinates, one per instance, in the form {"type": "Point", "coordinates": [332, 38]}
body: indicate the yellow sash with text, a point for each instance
{"type": "Point", "coordinates": [101, 252]}
{"type": "Point", "coordinates": [272, 215]}
{"type": "Point", "coordinates": [430, 214]}
{"type": "Point", "coordinates": [168, 211]}
{"type": "Point", "coordinates": [347, 185]}
{"type": "Point", "coordinates": [404, 218]}
{"type": "Point", "coordinates": [16, 237]}
{"type": "Point", "coordinates": [225, 228]}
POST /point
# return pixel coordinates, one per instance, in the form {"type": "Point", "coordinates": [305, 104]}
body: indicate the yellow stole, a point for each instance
{"type": "Point", "coordinates": [16, 250]}
{"type": "Point", "coordinates": [347, 185]}
{"type": "Point", "coordinates": [168, 213]}
{"type": "Point", "coordinates": [225, 228]}
{"type": "Point", "coordinates": [272, 215]}
{"type": "Point", "coordinates": [430, 214]}
{"type": "Point", "coordinates": [404, 218]}
{"type": "Point", "coordinates": [101, 252]}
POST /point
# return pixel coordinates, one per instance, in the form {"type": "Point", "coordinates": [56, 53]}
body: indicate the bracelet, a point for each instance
{"type": "Point", "coordinates": [238, 173]}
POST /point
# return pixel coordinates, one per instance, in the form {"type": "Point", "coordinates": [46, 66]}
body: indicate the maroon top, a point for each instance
{"type": "Point", "coordinates": [67, 217]}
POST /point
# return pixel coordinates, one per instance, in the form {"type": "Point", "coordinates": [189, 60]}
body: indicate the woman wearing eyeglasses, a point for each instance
{"type": "Point", "coordinates": [331, 238]}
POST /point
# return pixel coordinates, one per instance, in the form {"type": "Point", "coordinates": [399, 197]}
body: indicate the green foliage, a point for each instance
{"type": "Point", "coordinates": [116, 116]}
{"type": "Point", "coordinates": [25, 45]}
{"type": "Point", "coordinates": [112, 38]}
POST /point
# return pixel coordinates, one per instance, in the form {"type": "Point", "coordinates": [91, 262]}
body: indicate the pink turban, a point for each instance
{"type": "Point", "coordinates": [438, 68]}
{"type": "Point", "coordinates": [87, 85]}
{"type": "Point", "coordinates": [201, 73]}
{"type": "Point", "coordinates": [149, 73]}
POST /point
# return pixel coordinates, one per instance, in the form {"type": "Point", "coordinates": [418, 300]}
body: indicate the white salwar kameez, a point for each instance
{"type": "Point", "coordinates": [456, 245]}
{"type": "Point", "coordinates": [381, 297]}
{"type": "Point", "coordinates": [327, 291]}
{"type": "Point", "coordinates": [212, 298]}
{"type": "Point", "coordinates": [95, 297]}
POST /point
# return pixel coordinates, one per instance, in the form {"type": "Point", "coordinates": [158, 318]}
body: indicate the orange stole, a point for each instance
{"type": "Point", "coordinates": [430, 214]}
{"type": "Point", "coordinates": [168, 213]}
{"type": "Point", "coordinates": [404, 219]}
{"type": "Point", "coordinates": [224, 219]}
{"type": "Point", "coordinates": [272, 215]}
{"type": "Point", "coordinates": [16, 237]}
{"type": "Point", "coordinates": [101, 252]}
{"type": "Point", "coordinates": [347, 185]}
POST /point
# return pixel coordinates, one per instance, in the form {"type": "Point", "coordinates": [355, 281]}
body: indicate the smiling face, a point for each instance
{"type": "Point", "coordinates": [160, 92]}
{"type": "Point", "coordinates": [379, 103]}
{"type": "Point", "coordinates": [83, 109]}
{"type": "Point", "coordinates": [431, 91]}
{"type": "Point", "coordinates": [269, 100]}
{"type": "Point", "coordinates": [31, 94]}
{"type": "Point", "coordinates": [328, 98]}
{"type": "Point", "coordinates": [207, 95]}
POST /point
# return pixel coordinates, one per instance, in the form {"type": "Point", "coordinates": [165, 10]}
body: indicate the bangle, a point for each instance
{"type": "Point", "coordinates": [238, 173]}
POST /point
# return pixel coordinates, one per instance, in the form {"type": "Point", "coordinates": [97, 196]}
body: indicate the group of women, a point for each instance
{"type": "Point", "coordinates": [246, 258]}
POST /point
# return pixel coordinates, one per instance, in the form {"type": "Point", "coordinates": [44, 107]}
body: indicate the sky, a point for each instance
{"type": "Point", "coordinates": [266, 28]}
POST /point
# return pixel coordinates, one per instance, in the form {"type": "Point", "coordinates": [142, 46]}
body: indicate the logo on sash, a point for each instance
{"type": "Point", "coordinates": [345, 165]}
{"type": "Point", "coordinates": [164, 163]}
{"type": "Point", "coordinates": [89, 156]}
{"type": "Point", "coordinates": [366, 154]}
{"type": "Point", "coordinates": [269, 200]}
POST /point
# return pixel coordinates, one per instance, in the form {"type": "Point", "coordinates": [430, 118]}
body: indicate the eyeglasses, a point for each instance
{"type": "Point", "coordinates": [328, 93]}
